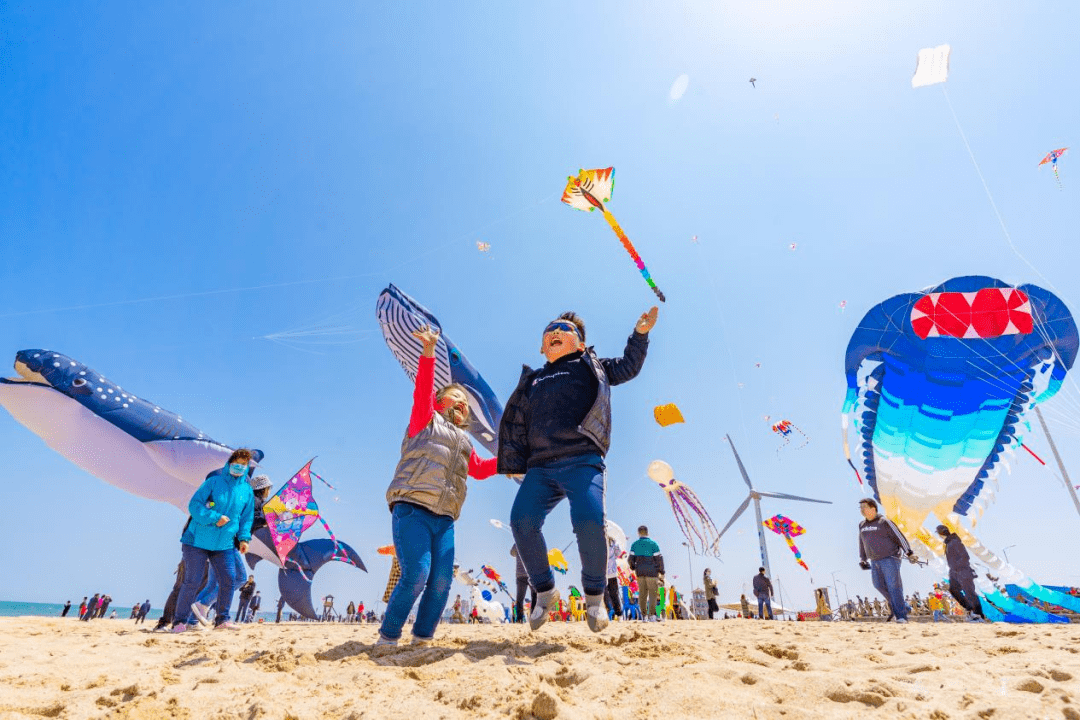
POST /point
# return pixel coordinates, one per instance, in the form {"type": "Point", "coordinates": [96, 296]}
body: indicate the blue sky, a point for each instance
{"type": "Point", "coordinates": [180, 183]}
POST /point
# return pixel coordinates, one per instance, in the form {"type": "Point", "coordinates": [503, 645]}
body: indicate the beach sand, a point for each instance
{"type": "Point", "coordinates": [723, 669]}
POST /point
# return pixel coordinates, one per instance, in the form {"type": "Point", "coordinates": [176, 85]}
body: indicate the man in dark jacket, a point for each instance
{"type": "Point", "coordinates": [648, 564]}
{"type": "Point", "coordinates": [246, 591]}
{"type": "Point", "coordinates": [961, 575]}
{"type": "Point", "coordinates": [556, 430]}
{"type": "Point", "coordinates": [881, 545]}
{"type": "Point", "coordinates": [763, 591]}
{"type": "Point", "coordinates": [67, 608]}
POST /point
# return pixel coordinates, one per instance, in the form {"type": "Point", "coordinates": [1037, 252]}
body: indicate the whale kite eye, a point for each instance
{"type": "Point", "coordinates": [455, 357]}
{"type": "Point", "coordinates": [78, 382]}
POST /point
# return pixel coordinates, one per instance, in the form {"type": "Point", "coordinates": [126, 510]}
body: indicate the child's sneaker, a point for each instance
{"type": "Point", "coordinates": [227, 625]}
{"type": "Point", "coordinates": [595, 613]}
{"type": "Point", "coordinates": [179, 628]}
{"type": "Point", "coordinates": [200, 612]}
{"type": "Point", "coordinates": [421, 642]}
{"type": "Point", "coordinates": [546, 603]}
{"type": "Point", "coordinates": [385, 641]}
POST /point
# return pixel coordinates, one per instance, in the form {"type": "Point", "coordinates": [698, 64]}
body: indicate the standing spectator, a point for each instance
{"type": "Point", "coordinates": [91, 608]}
{"type": "Point", "coordinates": [763, 591]}
{"type": "Point", "coordinates": [256, 603]}
{"type": "Point", "coordinates": [134, 611]}
{"type": "Point", "coordinates": [82, 607]}
{"type": "Point", "coordinates": [611, 590]}
{"type": "Point", "coordinates": [457, 616]}
{"type": "Point", "coordinates": [880, 546]}
{"type": "Point", "coordinates": [144, 609]}
{"type": "Point", "coordinates": [745, 605]}
{"type": "Point", "coordinates": [961, 575]}
{"type": "Point", "coordinates": [247, 591]}
{"type": "Point", "coordinates": [522, 577]}
{"type": "Point", "coordinates": [710, 593]}
{"type": "Point", "coordinates": [113, 615]}
{"type": "Point", "coordinates": [937, 605]}
{"type": "Point", "coordinates": [647, 562]}
{"type": "Point", "coordinates": [67, 607]}
{"type": "Point", "coordinates": [280, 607]}
{"type": "Point", "coordinates": [350, 611]}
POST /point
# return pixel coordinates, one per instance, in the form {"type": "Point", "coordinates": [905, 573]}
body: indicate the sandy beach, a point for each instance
{"type": "Point", "coordinates": [737, 668]}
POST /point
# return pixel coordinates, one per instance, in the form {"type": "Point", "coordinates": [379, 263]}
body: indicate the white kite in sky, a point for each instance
{"type": "Point", "coordinates": [932, 67]}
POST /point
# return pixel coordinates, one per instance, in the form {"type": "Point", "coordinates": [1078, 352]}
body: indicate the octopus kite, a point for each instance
{"type": "Point", "coordinates": [694, 521]}
{"type": "Point", "coordinates": [589, 191]}
{"type": "Point", "coordinates": [938, 383]}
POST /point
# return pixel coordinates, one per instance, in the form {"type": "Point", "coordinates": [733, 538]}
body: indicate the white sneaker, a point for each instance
{"type": "Point", "coordinates": [385, 641]}
{"type": "Point", "coordinates": [200, 612]}
{"type": "Point", "coordinates": [596, 613]}
{"type": "Point", "coordinates": [901, 621]}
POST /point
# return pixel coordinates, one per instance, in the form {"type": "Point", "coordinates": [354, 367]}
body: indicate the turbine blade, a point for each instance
{"type": "Point", "coordinates": [740, 511]}
{"type": "Point", "coordinates": [785, 496]}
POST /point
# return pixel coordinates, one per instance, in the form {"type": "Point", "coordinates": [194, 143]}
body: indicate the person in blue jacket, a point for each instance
{"type": "Point", "coordinates": [221, 513]}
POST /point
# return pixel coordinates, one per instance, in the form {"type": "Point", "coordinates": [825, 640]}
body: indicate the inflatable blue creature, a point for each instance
{"type": "Point", "coordinates": [938, 383]}
{"type": "Point", "coordinates": [399, 316]}
{"type": "Point", "coordinates": [139, 447]}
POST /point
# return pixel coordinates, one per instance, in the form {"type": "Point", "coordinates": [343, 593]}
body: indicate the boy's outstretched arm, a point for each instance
{"type": "Point", "coordinates": [620, 370]}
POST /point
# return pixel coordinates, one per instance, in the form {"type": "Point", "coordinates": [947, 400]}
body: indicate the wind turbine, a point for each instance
{"type": "Point", "coordinates": [756, 496]}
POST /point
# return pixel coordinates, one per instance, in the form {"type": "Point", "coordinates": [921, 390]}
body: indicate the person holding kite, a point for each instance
{"type": "Point", "coordinates": [556, 429]}
{"type": "Point", "coordinates": [426, 496]}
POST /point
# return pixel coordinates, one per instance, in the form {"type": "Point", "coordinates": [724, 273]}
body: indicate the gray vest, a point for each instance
{"type": "Point", "coordinates": [433, 468]}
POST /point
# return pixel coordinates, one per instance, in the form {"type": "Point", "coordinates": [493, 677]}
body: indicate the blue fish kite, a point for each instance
{"type": "Point", "coordinates": [141, 448]}
{"type": "Point", "coordinates": [399, 316]}
{"type": "Point", "coordinates": [938, 383]}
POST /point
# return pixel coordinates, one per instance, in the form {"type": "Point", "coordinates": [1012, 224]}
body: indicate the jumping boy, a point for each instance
{"type": "Point", "coordinates": [556, 429]}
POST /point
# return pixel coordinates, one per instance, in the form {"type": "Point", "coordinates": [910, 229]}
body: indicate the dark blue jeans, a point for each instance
{"type": "Point", "coordinates": [195, 562]}
{"type": "Point", "coordinates": [885, 574]}
{"type": "Point", "coordinates": [766, 601]}
{"type": "Point", "coordinates": [581, 480]}
{"type": "Point", "coordinates": [424, 543]}
{"type": "Point", "coordinates": [208, 596]}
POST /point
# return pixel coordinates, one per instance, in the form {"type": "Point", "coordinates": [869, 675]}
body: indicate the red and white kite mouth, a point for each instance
{"type": "Point", "coordinates": [988, 313]}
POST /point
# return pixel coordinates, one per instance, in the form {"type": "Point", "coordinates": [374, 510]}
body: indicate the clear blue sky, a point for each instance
{"type": "Point", "coordinates": [150, 152]}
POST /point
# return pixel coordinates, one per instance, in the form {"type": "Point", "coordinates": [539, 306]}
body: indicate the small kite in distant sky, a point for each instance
{"type": "Point", "coordinates": [792, 246]}
{"type": "Point", "coordinates": [1052, 158]}
{"type": "Point", "coordinates": [668, 414]}
{"type": "Point", "coordinates": [843, 304]}
{"type": "Point", "coordinates": [678, 88]}
{"type": "Point", "coordinates": [589, 191]}
{"type": "Point", "coordinates": [932, 66]}
{"type": "Point", "coordinates": [483, 246]}
{"type": "Point", "coordinates": [694, 239]}
{"type": "Point", "coordinates": [753, 82]}
{"type": "Point", "coordinates": [784, 429]}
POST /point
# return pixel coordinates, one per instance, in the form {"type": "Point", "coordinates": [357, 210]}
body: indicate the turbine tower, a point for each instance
{"type": "Point", "coordinates": [756, 496]}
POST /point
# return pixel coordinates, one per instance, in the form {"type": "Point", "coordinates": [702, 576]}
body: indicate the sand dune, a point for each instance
{"type": "Point", "coordinates": [739, 669]}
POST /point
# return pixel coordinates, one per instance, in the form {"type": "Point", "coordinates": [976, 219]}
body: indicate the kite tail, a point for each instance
{"type": "Point", "coordinates": [633, 254]}
{"type": "Point", "coordinates": [323, 481]}
{"type": "Point", "coordinates": [339, 554]}
{"type": "Point", "coordinates": [847, 449]}
{"type": "Point", "coordinates": [1041, 462]}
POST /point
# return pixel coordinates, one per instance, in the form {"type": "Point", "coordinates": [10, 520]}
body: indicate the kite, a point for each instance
{"type": "Point", "coordinates": [557, 561]}
{"type": "Point", "coordinates": [694, 240]}
{"type": "Point", "coordinates": [590, 190]}
{"type": "Point", "coordinates": [143, 449]}
{"type": "Point", "coordinates": [789, 529]}
{"type": "Point", "coordinates": [489, 572]}
{"type": "Point", "coordinates": [500, 525]}
{"type": "Point", "coordinates": [753, 82]}
{"type": "Point", "coordinates": [1052, 158]}
{"type": "Point", "coordinates": [291, 511]}
{"type": "Point", "coordinates": [932, 66]}
{"type": "Point", "coordinates": [667, 414]}
{"type": "Point", "coordinates": [784, 429]}
{"type": "Point", "coordinates": [792, 246]}
{"type": "Point", "coordinates": [938, 383]}
{"type": "Point", "coordinates": [399, 316]}
{"type": "Point", "coordinates": [483, 246]}
{"type": "Point", "coordinates": [386, 550]}
{"type": "Point", "coordinates": [843, 304]}
{"type": "Point", "coordinates": [690, 514]}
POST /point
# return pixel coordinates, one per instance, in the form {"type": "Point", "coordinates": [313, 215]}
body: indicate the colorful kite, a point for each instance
{"type": "Point", "coordinates": [938, 382]}
{"type": "Point", "coordinates": [784, 429]}
{"type": "Point", "coordinates": [788, 528]}
{"type": "Point", "coordinates": [1052, 158]}
{"type": "Point", "coordinates": [694, 521]}
{"type": "Point", "coordinates": [386, 550]}
{"type": "Point", "coordinates": [557, 561]}
{"type": "Point", "coordinates": [291, 511]}
{"type": "Point", "coordinates": [489, 572]}
{"type": "Point", "coordinates": [483, 246]}
{"type": "Point", "coordinates": [591, 189]}
{"type": "Point", "coordinates": [667, 414]}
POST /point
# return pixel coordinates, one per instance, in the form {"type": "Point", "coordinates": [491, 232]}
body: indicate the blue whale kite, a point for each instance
{"type": "Point", "coordinates": [938, 383]}
{"type": "Point", "coordinates": [399, 316]}
{"type": "Point", "coordinates": [141, 448]}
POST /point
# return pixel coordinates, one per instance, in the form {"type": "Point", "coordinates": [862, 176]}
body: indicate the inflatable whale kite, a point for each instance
{"type": "Point", "coordinates": [141, 448]}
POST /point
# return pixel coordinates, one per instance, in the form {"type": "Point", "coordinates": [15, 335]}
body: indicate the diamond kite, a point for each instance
{"type": "Point", "coordinates": [1052, 158]}
{"type": "Point", "coordinates": [788, 528]}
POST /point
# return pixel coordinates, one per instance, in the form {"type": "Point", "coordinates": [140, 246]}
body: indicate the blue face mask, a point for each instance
{"type": "Point", "coordinates": [236, 469]}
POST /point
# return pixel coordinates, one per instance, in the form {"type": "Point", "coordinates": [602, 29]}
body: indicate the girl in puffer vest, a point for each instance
{"type": "Point", "coordinates": [425, 499]}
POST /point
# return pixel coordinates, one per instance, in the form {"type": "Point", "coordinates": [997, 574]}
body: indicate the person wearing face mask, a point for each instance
{"type": "Point", "coordinates": [425, 499]}
{"type": "Point", "coordinates": [200, 609]}
{"type": "Point", "coordinates": [556, 429]}
{"type": "Point", "coordinates": [221, 513]}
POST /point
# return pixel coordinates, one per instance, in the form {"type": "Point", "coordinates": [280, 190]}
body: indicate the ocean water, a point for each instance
{"type": "Point", "coordinates": [123, 612]}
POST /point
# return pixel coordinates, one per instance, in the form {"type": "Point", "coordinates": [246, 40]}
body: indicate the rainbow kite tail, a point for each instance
{"type": "Point", "coordinates": [633, 254]}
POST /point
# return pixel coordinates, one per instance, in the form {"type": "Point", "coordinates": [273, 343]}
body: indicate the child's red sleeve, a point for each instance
{"type": "Point", "coordinates": [481, 469]}
{"type": "Point", "coordinates": [423, 396]}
